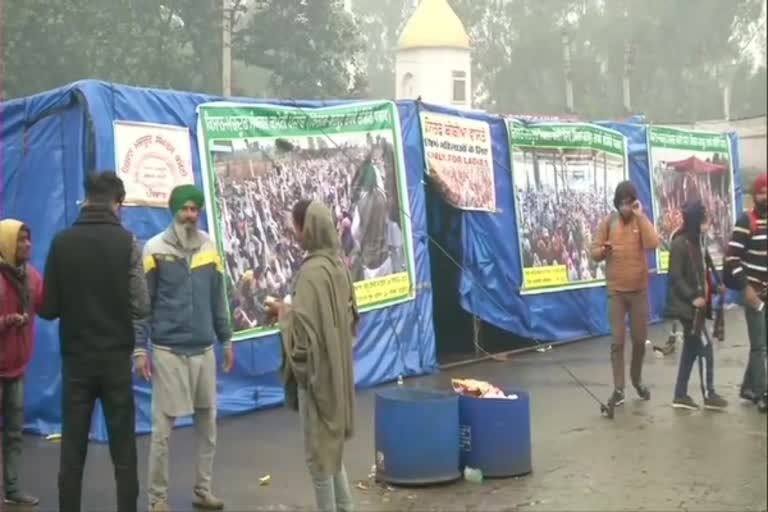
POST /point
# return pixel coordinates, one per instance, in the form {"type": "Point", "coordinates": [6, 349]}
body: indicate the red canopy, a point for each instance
{"type": "Point", "coordinates": [697, 165]}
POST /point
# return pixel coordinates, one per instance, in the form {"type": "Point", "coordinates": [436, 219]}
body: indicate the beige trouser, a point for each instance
{"type": "Point", "coordinates": [182, 385]}
{"type": "Point", "coordinates": [634, 304]}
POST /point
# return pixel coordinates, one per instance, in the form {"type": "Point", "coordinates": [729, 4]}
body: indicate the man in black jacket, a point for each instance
{"type": "Point", "coordinates": [689, 300]}
{"type": "Point", "coordinates": [94, 284]}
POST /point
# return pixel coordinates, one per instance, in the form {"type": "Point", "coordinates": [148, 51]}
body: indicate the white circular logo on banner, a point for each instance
{"type": "Point", "coordinates": [153, 160]}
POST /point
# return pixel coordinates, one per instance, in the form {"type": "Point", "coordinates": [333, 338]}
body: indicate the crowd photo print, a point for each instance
{"type": "Point", "coordinates": [564, 176]}
{"type": "Point", "coordinates": [689, 166]}
{"type": "Point", "coordinates": [263, 159]}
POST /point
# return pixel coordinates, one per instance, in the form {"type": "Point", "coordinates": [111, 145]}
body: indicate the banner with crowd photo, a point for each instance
{"type": "Point", "coordinates": [259, 160]}
{"type": "Point", "coordinates": [688, 165]}
{"type": "Point", "coordinates": [152, 159]}
{"type": "Point", "coordinates": [564, 176]}
{"type": "Point", "coordinates": [458, 158]}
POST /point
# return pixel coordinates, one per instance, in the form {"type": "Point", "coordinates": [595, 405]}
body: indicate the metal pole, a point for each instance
{"type": "Point", "coordinates": [568, 72]}
{"type": "Point", "coordinates": [727, 101]}
{"type": "Point", "coordinates": [226, 49]}
{"type": "Point", "coordinates": [476, 335]}
{"type": "Point", "coordinates": [628, 61]}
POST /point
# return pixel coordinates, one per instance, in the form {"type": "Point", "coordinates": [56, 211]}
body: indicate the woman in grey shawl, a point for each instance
{"type": "Point", "coordinates": [318, 332]}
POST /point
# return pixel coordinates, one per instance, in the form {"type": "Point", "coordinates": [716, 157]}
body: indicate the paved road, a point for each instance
{"type": "Point", "coordinates": [650, 457]}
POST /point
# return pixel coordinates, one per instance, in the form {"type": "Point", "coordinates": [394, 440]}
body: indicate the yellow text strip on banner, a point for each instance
{"type": "Point", "coordinates": [458, 154]}
{"type": "Point", "coordinates": [382, 289]}
{"type": "Point", "coordinates": [545, 277]}
{"type": "Point", "coordinates": [663, 261]}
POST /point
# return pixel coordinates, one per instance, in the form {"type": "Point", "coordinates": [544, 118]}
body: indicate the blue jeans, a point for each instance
{"type": "Point", "coordinates": [693, 347]}
{"type": "Point", "coordinates": [754, 376]}
{"type": "Point", "coordinates": [332, 492]}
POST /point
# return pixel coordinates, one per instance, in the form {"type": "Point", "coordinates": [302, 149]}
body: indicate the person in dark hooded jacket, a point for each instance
{"type": "Point", "coordinates": [689, 300]}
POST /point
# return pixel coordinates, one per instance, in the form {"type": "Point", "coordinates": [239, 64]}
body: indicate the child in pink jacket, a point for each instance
{"type": "Point", "coordinates": [21, 296]}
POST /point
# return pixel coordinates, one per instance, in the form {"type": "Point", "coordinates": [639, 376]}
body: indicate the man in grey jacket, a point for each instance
{"type": "Point", "coordinates": [186, 285]}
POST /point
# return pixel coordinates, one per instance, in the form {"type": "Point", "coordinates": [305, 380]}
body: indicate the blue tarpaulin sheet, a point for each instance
{"type": "Point", "coordinates": [51, 140]}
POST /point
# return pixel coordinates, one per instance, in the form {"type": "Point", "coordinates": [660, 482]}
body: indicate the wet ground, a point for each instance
{"type": "Point", "coordinates": [651, 457]}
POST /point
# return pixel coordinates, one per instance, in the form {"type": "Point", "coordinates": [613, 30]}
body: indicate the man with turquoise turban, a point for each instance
{"type": "Point", "coordinates": [185, 278]}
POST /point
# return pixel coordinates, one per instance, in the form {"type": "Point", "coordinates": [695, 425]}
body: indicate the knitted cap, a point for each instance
{"type": "Point", "coordinates": [183, 193]}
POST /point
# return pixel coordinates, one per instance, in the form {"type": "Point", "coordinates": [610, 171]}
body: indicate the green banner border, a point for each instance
{"type": "Point", "coordinates": [692, 140]}
{"type": "Point", "coordinates": [567, 136]}
{"type": "Point", "coordinates": [267, 121]}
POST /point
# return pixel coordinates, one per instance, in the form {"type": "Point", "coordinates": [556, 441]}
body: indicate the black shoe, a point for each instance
{"type": "Point", "coordinates": [748, 395]}
{"type": "Point", "coordinates": [643, 392]}
{"type": "Point", "coordinates": [715, 402]}
{"type": "Point", "coordinates": [617, 398]}
{"type": "Point", "coordinates": [685, 402]}
{"type": "Point", "coordinates": [21, 499]}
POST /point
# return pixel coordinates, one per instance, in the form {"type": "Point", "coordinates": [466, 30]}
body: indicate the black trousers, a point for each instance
{"type": "Point", "coordinates": [84, 380]}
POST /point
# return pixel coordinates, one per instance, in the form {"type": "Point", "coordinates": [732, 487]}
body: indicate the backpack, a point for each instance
{"type": "Point", "coordinates": [728, 280]}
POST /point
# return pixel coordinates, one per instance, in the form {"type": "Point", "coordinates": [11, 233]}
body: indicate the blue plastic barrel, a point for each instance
{"type": "Point", "coordinates": [496, 434]}
{"type": "Point", "coordinates": [417, 436]}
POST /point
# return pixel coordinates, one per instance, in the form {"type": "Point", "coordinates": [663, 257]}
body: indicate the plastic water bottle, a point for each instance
{"type": "Point", "coordinates": [473, 475]}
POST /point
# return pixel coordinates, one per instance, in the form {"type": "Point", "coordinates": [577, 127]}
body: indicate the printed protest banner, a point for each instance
{"type": "Point", "coordinates": [261, 159]}
{"type": "Point", "coordinates": [689, 165]}
{"type": "Point", "coordinates": [459, 160]}
{"type": "Point", "coordinates": [564, 177]}
{"type": "Point", "coordinates": [152, 159]}
{"type": "Point", "coordinates": [543, 118]}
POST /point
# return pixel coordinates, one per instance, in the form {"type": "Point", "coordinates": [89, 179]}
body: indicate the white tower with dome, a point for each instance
{"type": "Point", "coordinates": [433, 58]}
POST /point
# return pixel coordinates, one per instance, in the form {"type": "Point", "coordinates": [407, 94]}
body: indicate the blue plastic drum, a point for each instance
{"type": "Point", "coordinates": [417, 437]}
{"type": "Point", "coordinates": [496, 434]}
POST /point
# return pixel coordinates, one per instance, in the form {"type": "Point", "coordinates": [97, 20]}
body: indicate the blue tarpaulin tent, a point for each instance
{"type": "Point", "coordinates": [51, 140]}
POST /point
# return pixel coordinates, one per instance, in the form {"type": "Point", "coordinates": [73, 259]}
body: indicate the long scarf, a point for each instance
{"type": "Point", "coordinates": [17, 276]}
